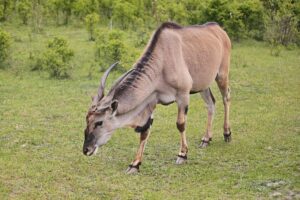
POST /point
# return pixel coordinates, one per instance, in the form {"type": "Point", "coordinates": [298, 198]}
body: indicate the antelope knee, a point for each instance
{"type": "Point", "coordinates": [180, 126]}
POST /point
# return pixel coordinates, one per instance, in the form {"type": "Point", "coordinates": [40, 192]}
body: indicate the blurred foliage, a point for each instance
{"type": "Point", "coordinates": [55, 59]}
{"type": "Point", "coordinates": [5, 43]}
{"type": "Point", "coordinates": [6, 8]}
{"type": "Point", "coordinates": [126, 24]}
{"type": "Point", "coordinates": [282, 25]}
{"type": "Point", "coordinates": [240, 20]}
{"type": "Point", "coordinates": [82, 8]}
{"type": "Point", "coordinates": [270, 20]}
{"type": "Point", "coordinates": [24, 7]}
{"type": "Point", "coordinates": [91, 21]}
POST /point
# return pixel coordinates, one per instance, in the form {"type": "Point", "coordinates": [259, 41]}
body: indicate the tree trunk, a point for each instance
{"type": "Point", "coordinates": [5, 7]}
{"type": "Point", "coordinates": [67, 16]}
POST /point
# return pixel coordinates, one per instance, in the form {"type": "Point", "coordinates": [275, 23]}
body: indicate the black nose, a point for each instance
{"type": "Point", "coordinates": [85, 150]}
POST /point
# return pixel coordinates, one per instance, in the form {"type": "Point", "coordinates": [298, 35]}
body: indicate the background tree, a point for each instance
{"type": "Point", "coordinates": [5, 9]}
{"type": "Point", "coordinates": [55, 7]}
{"type": "Point", "coordinates": [91, 21]}
{"type": "Point", "coordinates": [106, 10]}
{"type": "Point", "coordinates": [227, 15]}
{"type": "Point", "coordinates": [283, 25]}
{"type": "Point", "coordinates": [177, 12]}
{"type": "Point", "coordinates": [193, 9]}
{"type": "Point", "coordinates": [24, 9]}
{"type": "Point", "coordinates": [67, 7]}
{"type": "Point", "coordinates": [83, 7]}
{"type": "Point", "coordinates": [170, 11]}
{"type": "Point", "coordinates": [252, 16]}
{"type": "Point", "coordinates": [5, 43]}
{"type": "Point", "coordinates": [270, 20]}
{"type": "Point", "coordinates": [37, 14]}
{"type": "Point", "coordinates": [124, 14]}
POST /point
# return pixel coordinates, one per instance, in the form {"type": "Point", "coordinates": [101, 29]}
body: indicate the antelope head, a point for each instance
{"type": "Point", "coordinates": [100, 119]}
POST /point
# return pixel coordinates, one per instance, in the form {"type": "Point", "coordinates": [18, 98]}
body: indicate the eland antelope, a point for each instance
{"type": "Point", "coordinates": [178, 61]}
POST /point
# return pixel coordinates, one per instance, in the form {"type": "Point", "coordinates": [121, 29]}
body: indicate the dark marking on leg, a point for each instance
{"type": "Point", "coordinates": [132, 169]}
{"type": "Point", "coordinates": [135, 166]}
{"type": "Point", "coordinates": [181, 156]}
{"type": "Point", "coordinates": [186, 110]}
{"type": "Point", "coordinates": [212, 96]}
{"type": "Point", "coordinates": [143, 135]}
{"type": "Point", "coordinates": [140, 129]}
{"type": "Point", "coordinates": [180, 127]}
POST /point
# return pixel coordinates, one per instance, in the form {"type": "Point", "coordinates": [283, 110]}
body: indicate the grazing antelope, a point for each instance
{"type": "Point", "coordinates": [178, 61]}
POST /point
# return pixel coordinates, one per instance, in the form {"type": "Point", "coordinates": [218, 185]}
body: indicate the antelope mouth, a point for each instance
{"type": "Point", "coordinates": [92, 151]}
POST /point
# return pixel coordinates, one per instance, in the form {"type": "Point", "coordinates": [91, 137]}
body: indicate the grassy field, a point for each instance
{"type": "Point", "coordinates": [42, 122]}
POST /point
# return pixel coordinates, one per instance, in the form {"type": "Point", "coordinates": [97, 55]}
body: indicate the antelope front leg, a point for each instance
{"type": "Point", "coordinates": [134, 166]}
{"type": "Point", "coordinates": [181, 121]}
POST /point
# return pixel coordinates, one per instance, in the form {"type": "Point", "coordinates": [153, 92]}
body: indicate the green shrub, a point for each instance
{"type": "Point", "coordinates": [5, 42]}
{"type": "Point", "coordinates": [275, 48]}
{"type": "Point", "coordinates": [56, 59]}
{"type": "Point", "coordinates": [142, 38]}
{"type": "Point", "coordinates": [36, 61]}
{"type": "Point", "coordinates": [110, 48]}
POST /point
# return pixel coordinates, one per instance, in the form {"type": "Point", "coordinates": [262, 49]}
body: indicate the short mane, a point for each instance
{"type": "Point", "coordinates": [147, 54]}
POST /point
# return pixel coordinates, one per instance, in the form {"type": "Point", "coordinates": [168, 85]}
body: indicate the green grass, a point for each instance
{"type": "Point", "coordinates": [42, 122]}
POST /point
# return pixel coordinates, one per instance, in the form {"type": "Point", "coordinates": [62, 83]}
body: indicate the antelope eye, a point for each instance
{"type": "Point", "coordinates": [98, 124]}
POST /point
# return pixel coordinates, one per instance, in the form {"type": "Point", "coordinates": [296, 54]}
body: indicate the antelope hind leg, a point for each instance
{"type": "Point", "coordinates": [209, 99]}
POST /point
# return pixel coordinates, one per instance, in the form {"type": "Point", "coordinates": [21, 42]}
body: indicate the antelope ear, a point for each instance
{"type": "Point", "coordinates": [114, 106]}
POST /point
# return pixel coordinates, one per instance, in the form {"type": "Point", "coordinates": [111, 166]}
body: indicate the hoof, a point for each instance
{"type": "Point", "coordinates": [181, 159]}
{"type": "Point", "coordinates": [205, 143]}
{"type": "Point", "coordinates": [227, 137]}
{"type": "Point", "coordinates": [133, 169]}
